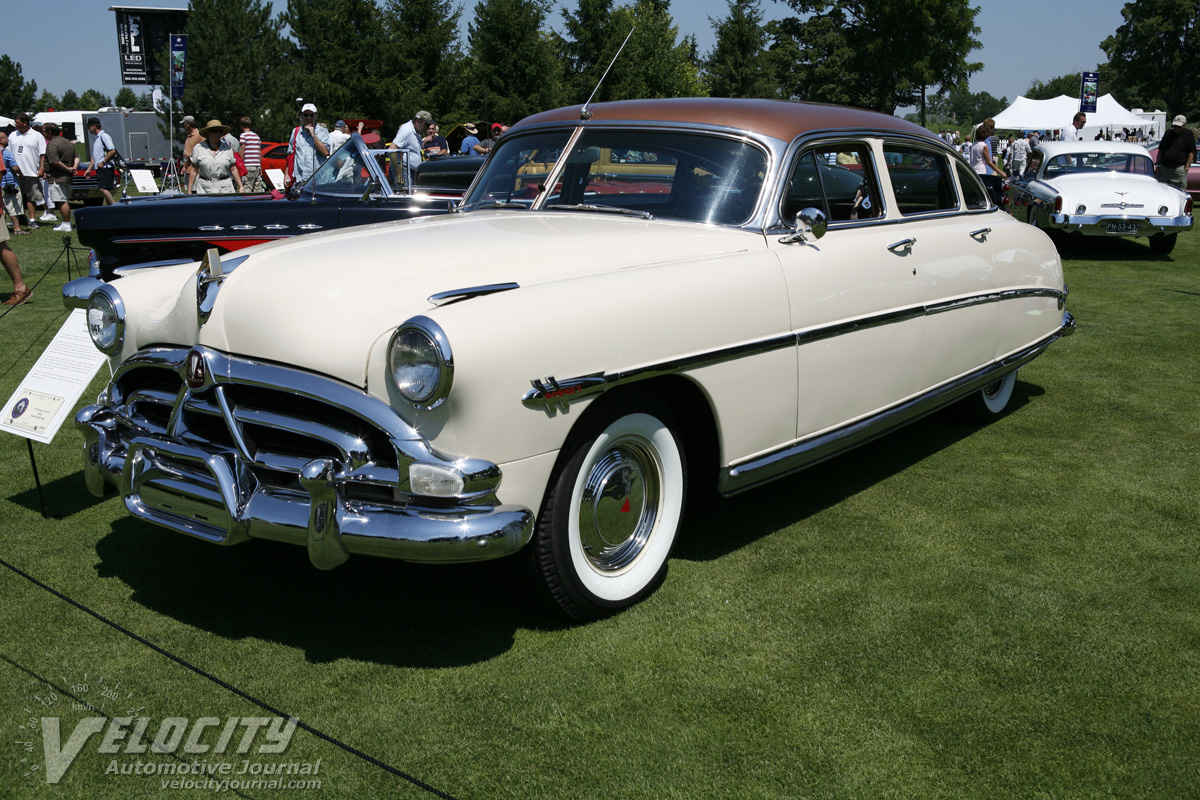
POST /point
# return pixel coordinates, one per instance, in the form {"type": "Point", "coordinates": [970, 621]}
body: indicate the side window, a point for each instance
{"type": "Point", "coordinates": [973, 192]}
{"type": "Point", "coordinates": [838, 179]}
{"type": "Point", "coordinates": [921, 179]}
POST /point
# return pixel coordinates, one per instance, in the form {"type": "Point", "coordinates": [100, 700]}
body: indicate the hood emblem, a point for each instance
{"type": "Point", "coordinates": [1120, 194]}
{"type": "Point", "coordinates": [195, 374]}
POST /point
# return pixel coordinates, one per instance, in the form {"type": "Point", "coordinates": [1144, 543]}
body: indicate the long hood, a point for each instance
{"type": "Point", "coordinates": [1110, 188]}
{"type": "Point", "coordinates": [321, 301]}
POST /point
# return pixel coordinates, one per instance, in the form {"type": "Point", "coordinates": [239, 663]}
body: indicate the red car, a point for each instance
{"type": "Point", "coordinates": [1193, 179]}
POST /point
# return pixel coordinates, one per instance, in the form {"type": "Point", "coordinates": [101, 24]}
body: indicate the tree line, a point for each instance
{"type": "Point", "coordinates": [385, 59]}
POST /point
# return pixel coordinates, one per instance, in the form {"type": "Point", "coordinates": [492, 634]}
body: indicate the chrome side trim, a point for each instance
{"type": "Point", "coordinates": [550, 394]}
{"type": "Point", "coordinates": [454, 295]}
{"type": "Point", "coordinates": [809, 452]}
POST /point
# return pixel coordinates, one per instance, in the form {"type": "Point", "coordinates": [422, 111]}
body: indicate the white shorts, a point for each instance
{"type": "Point", "coordinates": [13, 204]}
{"type": "Point", "coordinates": [58, 192]}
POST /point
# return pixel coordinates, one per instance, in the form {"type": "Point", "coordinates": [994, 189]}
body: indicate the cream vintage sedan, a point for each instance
{"type": "Point", "coordinates": [1099, 189]}
{"type": "Point", "coordinates": [638, 304]}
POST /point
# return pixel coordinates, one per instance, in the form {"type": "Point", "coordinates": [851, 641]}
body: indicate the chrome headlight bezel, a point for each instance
{"type": "Point", "coordinates": [420, 345]}
{"type": "Point", "coordinates": [107, 332]}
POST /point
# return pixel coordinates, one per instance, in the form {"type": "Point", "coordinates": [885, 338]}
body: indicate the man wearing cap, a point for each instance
{"type": "Point", "coordinates": [309, 143]}
{"type": "Point", "coordinates": [29, 148]}
{"type": "Point", "coordinates": [470, 140]}
{"type": "Point", "coordinates": [408, 141]}
{"type": "Point", "coordinates": [485, 147]}
{"type": "Point", "coordinates": [1176, 152]}
{"type": "Point", "coordinates": [103, 152]}
{"type": "Point", "coordinates": [339, 135]}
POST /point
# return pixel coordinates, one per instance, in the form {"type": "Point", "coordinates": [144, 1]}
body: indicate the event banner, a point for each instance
{"type": "Point", "coordinates": [178, 61]}
{"type": "Point", "coordinates": [1089, 86]}
{"type": "Point", "coordinates": [142, 35]}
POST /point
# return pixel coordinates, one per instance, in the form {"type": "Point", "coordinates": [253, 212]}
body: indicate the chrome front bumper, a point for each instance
{"type": "Point", "coordinates": [174, 479]}
{"type": "Point", "coordinates": [1094, 225]}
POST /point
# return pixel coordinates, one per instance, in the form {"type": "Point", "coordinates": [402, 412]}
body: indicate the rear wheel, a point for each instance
{"type": "Point", "coordinates": [612, 515]}
{"type": "Point", "coordinates": [990, 401]}
{"type": "Point", "coordinates": [1163, 243]}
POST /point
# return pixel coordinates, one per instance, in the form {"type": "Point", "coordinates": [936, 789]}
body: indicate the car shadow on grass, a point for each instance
{"type": "Point", "coordinates": [65, 496]}
{"type": "Point", "coordinates": [1092, 248]}
{"type": "Point", "coordinates": [747, 517]}
{"type": "Point", "coordinates": [369, 609]}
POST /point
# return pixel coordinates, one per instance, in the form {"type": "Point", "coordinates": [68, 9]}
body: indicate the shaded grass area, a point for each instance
{"type": "Point", "coordinates": [957, 612]}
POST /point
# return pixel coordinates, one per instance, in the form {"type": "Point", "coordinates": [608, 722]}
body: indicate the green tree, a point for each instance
{"type": "Point", "coordinates": [656, 62]}
{"type": "Point", "coordinates": [236, 66]}
{"type": "Point", "coordinates": [513, 69]}
{"type": "Point", "coordinates": [93, 99]}
{"type": "Point", "coordinates": [1152, 57]}
{"type": "Point", "coordinates": [739, 65]}
{"type": "Point", "coordinates": [46, 101]}
{"type": "Point", "coordinates": [144, 102]}
{"type": "Point", "coordinates": [877, 54]}
{"type": "Point", "coordinates": [1048, 90]}
{"type": "Point", "coordinates": [15, 94]}
{"type": "Point", "coordinates": [126, 98]}
{"type": "Point", "coordinates": [966, 107]}
{"type": "Point", "coordinates": [329, 38]}
{"type": "Point", "coordinates": [423, 63]}
{"type": "Point", "coordinates": [588, 47]}
{"type": "Point", "coordinates": [70, 100]}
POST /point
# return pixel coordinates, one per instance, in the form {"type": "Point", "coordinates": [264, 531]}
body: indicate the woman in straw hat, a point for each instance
{"type": "Point", "coordinates": [216, 169]}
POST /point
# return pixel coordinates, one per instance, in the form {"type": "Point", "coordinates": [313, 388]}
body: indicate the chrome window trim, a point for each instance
{"type": "Point", "coordinates": [550, 394]}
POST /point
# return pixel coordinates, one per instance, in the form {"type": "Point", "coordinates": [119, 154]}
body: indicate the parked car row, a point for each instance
{"type": "Point", "coordinates": [634, 306]}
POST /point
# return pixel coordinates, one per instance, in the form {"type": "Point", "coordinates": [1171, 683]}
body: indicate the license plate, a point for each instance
{"type": "Point", "coordinates": [1121, 227]}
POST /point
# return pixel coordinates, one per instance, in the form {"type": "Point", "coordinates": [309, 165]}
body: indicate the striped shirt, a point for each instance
{"type": "Point", "coordinates": [251, 149]}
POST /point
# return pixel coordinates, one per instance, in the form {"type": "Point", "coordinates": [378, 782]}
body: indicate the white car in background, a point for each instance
{"type": "Point", "coordinates": [638, 304]}
{"type": "Point", "coordinates": [1099, 189]}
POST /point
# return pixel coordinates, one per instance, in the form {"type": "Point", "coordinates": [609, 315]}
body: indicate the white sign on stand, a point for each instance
{"type": "Point", "coordinates": [41, 404]}
{"type": "Point", "coordinates": [144, 180]}
{"type": "Point", "coordinates": [277, 178]}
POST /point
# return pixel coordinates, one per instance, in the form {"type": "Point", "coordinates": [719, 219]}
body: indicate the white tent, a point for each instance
{"type": "Point", "coordinates": [6, 121]}
{"type": "Point", "coordinates": [1056, 114]}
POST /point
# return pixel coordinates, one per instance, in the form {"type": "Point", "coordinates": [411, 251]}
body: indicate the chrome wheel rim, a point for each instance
{"type": "Point", "coordinates": [620, 504]}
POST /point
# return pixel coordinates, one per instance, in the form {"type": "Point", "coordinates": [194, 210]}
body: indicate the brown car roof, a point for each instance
{"type": "Point", "coordinates": [780, 119]}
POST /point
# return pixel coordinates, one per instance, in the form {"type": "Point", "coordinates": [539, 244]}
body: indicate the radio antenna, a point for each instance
{"type": "Point", "coordinates": [584, 114]}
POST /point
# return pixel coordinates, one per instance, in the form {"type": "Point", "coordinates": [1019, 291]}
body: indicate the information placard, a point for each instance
{"type": "Point", "coordinates": [277, 178]}
{"type": "Point", "coordinates": [40, 405]}
{"type": "Point", "coordinates": [144, 180]}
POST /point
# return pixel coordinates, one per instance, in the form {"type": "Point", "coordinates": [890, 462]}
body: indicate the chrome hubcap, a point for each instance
{"type": "Point", "coordinates": [620, 505]}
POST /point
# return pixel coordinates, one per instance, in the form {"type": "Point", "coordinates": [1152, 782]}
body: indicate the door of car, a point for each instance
{"type": "Point", "coordinates": [952, 253]}
{"type": "Point", "coordinates": [853, 293]}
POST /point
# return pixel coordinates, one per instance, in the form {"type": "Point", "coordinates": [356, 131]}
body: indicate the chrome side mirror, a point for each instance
{"type": "Point", "coordinates": [810, 221]}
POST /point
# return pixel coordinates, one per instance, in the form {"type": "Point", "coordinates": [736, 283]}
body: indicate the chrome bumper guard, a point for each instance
{"type": "Point", "coordinates": [1094, 225]}
{"type": "Point", "coordinates": [211, 491]}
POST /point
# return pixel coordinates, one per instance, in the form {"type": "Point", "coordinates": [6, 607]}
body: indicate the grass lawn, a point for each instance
{"type": "Point", "coordinates": [951, 612]}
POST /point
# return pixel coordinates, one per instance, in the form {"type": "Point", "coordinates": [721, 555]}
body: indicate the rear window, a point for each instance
{"type": "Point", "coordinates": [921, 180]}
{"type": "Point", "coordinates": [974, 194]}
{"type": "Point", "coordinates": [837, 179]}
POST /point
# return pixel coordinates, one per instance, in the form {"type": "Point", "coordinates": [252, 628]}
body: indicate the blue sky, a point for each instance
{"type": "Point", "coordinates": [1022, 40]}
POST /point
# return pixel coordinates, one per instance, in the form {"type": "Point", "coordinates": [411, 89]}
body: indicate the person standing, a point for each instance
{"type": "Point", "coordinates": [29, 148]}
{"type": "Point", "coordinates": [408, 141]}
{"type": "Point", "coordinates": [216, 168]}
{"type": "Point", "coordinates": [470, 140]}
{"type": "Point", "coordinates": [61, 163]}
{"type": "Point", "coordinates": [251, 149]}
{"type": "Point", "coordinates": [1176, 152]}
{"type": "Point", "coordinates": [1018, 155]}
{"type": "Point", "coordinates": [338, 136]}
{"type": "Point", "coordinates": [10, 185]}
{"type": "Point", "coordinates": [192, 138]}
{"type": "Point", "coordinates": [103, 153]}
{"type": "Point", "coordinates": [308, 144]}
{"type": "Point", "coordinates": [434, 144]}
{"type": "Point", "coordinates": [1071, 132]}
{"type": "Point", "coordinates": [21, 292]}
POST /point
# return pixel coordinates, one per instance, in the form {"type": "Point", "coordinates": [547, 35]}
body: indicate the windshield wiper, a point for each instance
{"type": "Point", "coordinates": [505, 204]}
{"type": "Point", "coordinates": [630, 212]}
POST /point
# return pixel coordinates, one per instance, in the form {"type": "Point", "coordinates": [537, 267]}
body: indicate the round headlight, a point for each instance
{"type": "Point", "coordinates": [420, 363]}
{"type": "Point", "coordinates": [106, 320]}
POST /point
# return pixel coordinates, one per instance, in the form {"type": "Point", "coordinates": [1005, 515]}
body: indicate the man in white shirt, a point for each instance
{"type": "Point", "coordinates": [338, 136]}
{"type": "Point", "coordinates": [1071, 132]}
{"type": "Point", "coordinates": [408, 141]}
{"type": "Point", "coordinates": [29, 148]}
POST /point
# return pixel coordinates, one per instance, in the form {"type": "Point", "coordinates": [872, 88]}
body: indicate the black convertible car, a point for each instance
{"type": "Point", "coordinates": [355, 186]}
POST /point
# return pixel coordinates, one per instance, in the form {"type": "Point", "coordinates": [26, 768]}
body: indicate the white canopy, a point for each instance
{"type": "Point", "coordinates": [6, 121]}
{"type": "Point", "coordinates": [1056, 114]}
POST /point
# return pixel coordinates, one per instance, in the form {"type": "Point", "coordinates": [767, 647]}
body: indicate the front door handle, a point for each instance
{"type": "Point", "coordinates": [904, 244]}
{"type": "Point", "coordinates": [980, 234]}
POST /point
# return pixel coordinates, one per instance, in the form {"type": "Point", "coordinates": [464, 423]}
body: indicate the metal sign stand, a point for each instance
{"type": "Point", "coordinates": [37, 480]}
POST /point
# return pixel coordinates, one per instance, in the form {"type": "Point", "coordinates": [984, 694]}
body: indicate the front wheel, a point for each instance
{"type": "Point", "coordinates": [1163, 244]}
{"type": "Point", "coordinates": [989, 402]}
{"type": "Point", "coordinates": [612, 515]}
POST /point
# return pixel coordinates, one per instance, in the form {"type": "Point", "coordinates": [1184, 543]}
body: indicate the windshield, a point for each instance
{"type": "Point", "coordinates": [1072, 163]}
{"type": "Point", "coordinates": [352, 168]}
{"type": "Point", "coordinates": [684, 176]}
